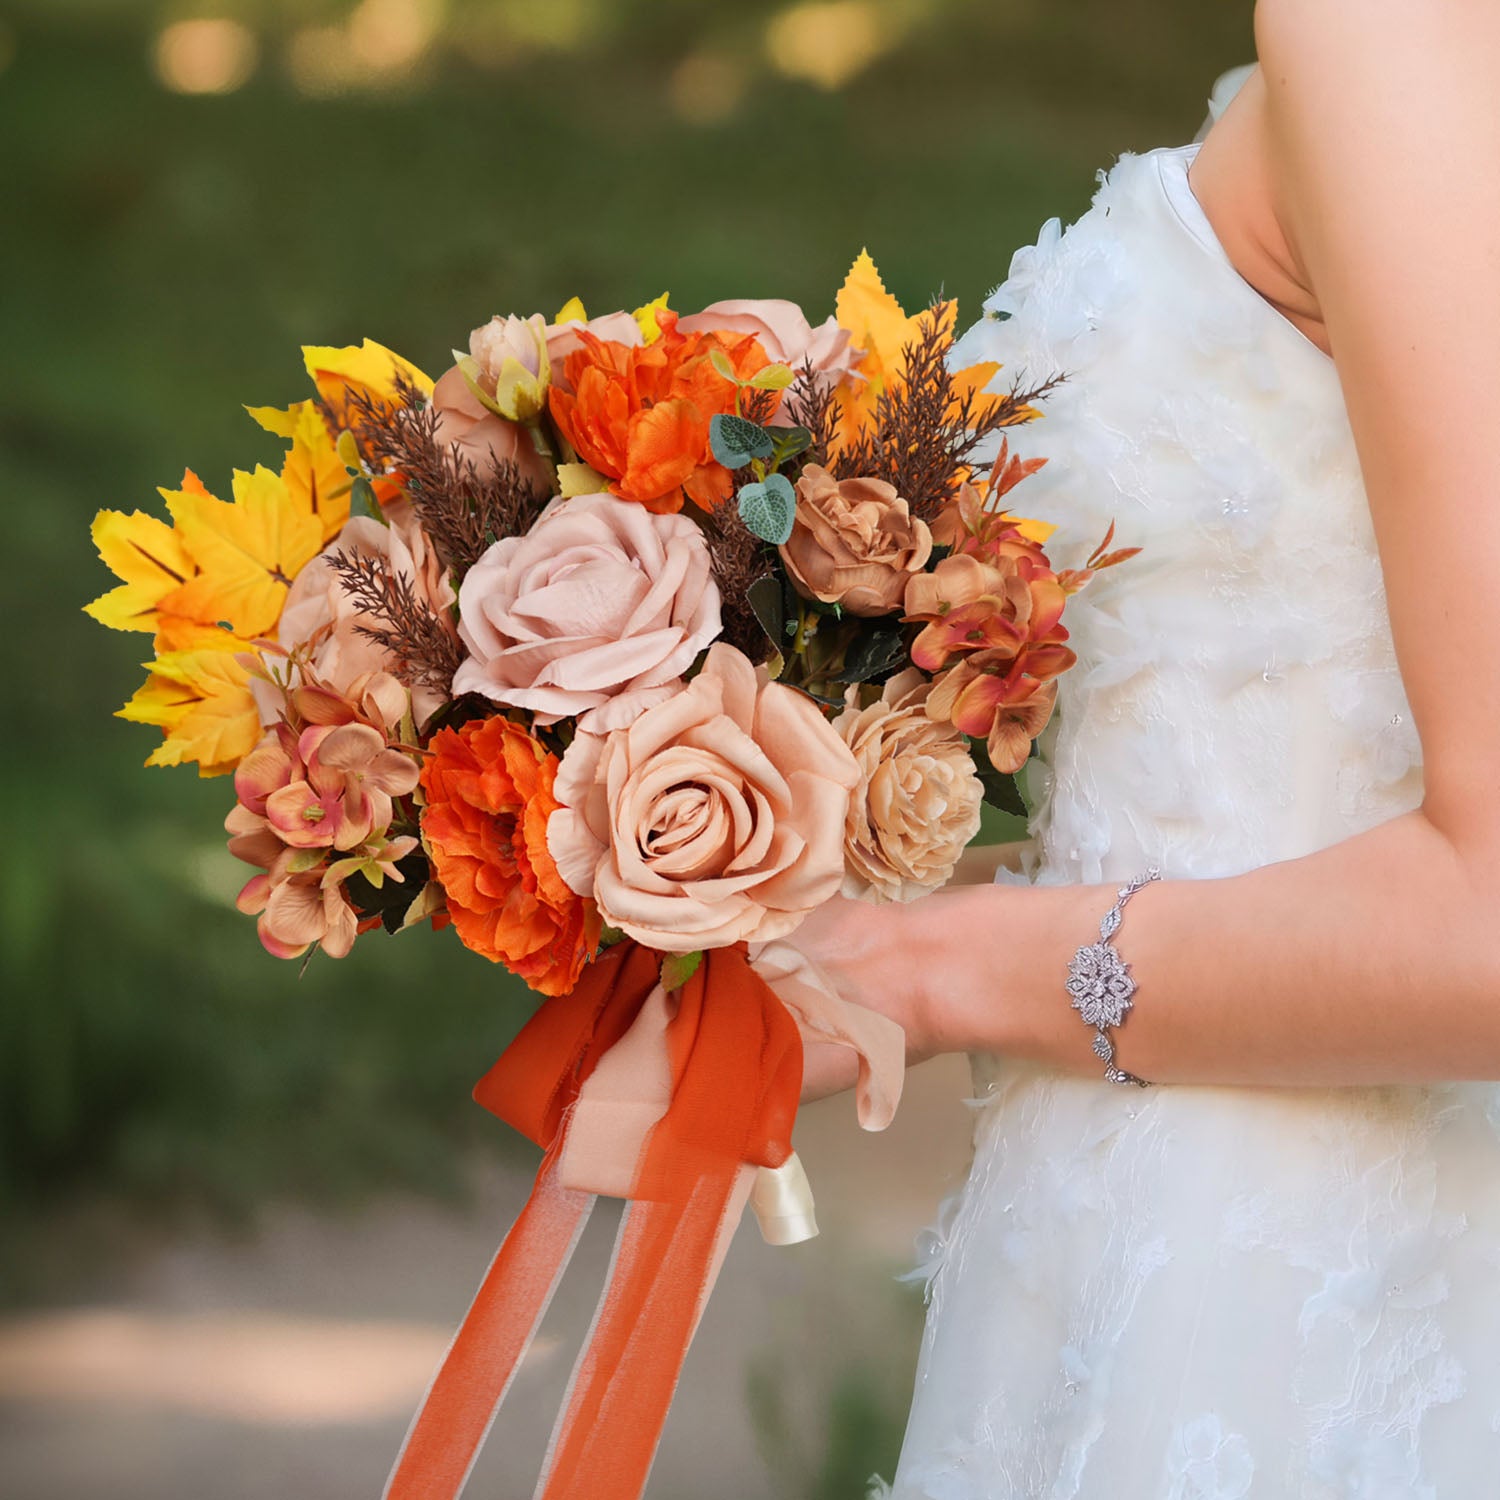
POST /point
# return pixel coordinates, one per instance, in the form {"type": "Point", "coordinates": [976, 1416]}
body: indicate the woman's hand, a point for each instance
{"type": "Point", "coordinates": [887, 958]}
{"type": "Point", "coordinates": [872, 957]}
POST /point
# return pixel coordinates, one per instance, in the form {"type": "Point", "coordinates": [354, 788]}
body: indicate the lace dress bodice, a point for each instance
{"type": "Point", "coordinates": [1195, 1293]}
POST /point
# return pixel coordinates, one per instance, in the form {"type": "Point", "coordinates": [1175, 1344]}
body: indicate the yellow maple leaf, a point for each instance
{"type": "Point", "coordinates": [368, 367]}
{"type": "Point", "coordinates": [248, 552]}
{"type": "Point", "coordinates": [148, 555]}
{"type": "Point", "coordinates": [880, 326]}
{"type": "Point", "coordinates": [201, 701]}
{"type": "Point", "coordinates": [313, 472]}
{"type": "Point", "coordinates": [876, 323]}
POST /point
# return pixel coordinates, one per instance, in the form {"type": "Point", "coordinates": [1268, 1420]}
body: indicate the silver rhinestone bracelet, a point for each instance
{"type": "Point", "coordinates": [1100, 985]}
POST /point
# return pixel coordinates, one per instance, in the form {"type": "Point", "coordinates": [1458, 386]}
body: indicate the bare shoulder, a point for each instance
{"type": "Point", "coordinates": [1320, 58]}
{"type": "Point", "coordinates": [1383, 148]}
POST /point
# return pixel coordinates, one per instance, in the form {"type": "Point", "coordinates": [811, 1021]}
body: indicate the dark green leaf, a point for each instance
{"type": "Point", "coordinates": [391, 899]}
{"type": "Point", "coordinates": [768, 602]}
{"type": "Point", "coordinates": [735, 441]}
{"type": "Point", "coordinates": [1000, 791]}
{"type": "Point", "coordinates": [874, 652]}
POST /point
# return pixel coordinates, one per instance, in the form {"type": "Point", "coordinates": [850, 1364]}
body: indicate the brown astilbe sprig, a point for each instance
{"type": "Point", "coordinates": [464, 508]}
{"type": "Point", "coordinates": [757, 405]}
{"type": "Point", "coordinates": [740, 560]}
{"type": "Point", "coordinates": [923, 432]}
{"type": "Point", "coordinates": [425, 647]}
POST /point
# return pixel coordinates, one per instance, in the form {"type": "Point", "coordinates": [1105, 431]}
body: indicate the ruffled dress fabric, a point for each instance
{"type": "Point", "coordinates": [1205, 1293]}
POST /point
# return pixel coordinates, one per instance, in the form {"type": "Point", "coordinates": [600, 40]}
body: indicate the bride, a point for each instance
{"type": "Point", "coordinates": [1275, 1272]}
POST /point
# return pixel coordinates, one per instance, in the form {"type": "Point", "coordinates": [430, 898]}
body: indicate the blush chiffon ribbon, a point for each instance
{"type": "Point", "coordinates": [683, 1104]}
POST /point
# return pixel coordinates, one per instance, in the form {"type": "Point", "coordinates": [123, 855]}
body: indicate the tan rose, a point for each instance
{"type": "Point", "coordinates": [717, 817]}
{"type": "Point", "coordinates": [917, 805]}
{"type": "Point", "coordinates": [320, 610]}
{"type": "Point", "coordinates": [854, 542]}
{"type": "Point", "coordinates": [596, 612]}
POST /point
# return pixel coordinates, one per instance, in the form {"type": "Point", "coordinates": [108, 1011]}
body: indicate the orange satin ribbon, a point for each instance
{"type": "Point", "coordinates": [736, 1072]}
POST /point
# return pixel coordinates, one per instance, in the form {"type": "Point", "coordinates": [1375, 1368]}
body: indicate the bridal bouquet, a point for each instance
{"type": "Point", "coordinates": [619, 649]}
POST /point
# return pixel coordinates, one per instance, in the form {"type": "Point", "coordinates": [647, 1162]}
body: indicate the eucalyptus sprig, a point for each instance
{"type": "Point", "coordinates": [767, 501]}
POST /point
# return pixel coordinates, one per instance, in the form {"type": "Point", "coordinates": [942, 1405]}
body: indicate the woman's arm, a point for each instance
{"type": "Point", "coordinates": [1377, 960]}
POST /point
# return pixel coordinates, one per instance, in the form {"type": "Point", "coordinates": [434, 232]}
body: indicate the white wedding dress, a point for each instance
{"type": "Point", "coordinates": [1202, 1293]}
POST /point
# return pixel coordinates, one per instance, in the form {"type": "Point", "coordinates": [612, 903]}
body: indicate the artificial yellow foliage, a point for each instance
{"type": "Point", "coordinates": [314, 474]}
{"type": "Point", "coordinates": [1039, 532]}
{"type": "Point", "coordinates": [646, 317]}
{"type": "Point", "coordinates": [879, 325]}
{"type": "Point", "coordinates": [201, 701]}
{"type": "Point", "coordinates": [367, 367]}
{"type": "Point", "coordinates": [248, 552]}
{"type": "Point", "coordinates": [876, 323]}
{"type": "Point", "coordinates": [150, 557]}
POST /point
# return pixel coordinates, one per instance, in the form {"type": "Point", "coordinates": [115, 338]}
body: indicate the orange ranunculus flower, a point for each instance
{"type": "Point", "coordinates": [489, 795]}
{"type": "Point", "coordinates": [640, 415]}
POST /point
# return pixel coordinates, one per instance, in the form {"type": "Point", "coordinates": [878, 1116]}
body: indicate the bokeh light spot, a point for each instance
{"type": "Point", "coordinates": [388, 36]}
{"type": "Point", "coordinates": [827, 43]}
{"type": "Point", "coordinates": [707, 89]}
{"type": "Point", "coordinates": [205, 56]}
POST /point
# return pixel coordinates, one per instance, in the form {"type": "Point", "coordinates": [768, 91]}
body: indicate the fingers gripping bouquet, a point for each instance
{"type": "Point", "coordinates": [620, 648]}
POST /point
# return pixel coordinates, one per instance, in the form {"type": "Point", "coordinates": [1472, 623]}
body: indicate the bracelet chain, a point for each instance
{"type": "Point", "coordinates": [1100, 985]}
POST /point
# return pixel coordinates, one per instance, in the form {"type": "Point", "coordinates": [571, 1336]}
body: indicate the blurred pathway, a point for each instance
{"type": "Point", "coordinates": [289, 1366]}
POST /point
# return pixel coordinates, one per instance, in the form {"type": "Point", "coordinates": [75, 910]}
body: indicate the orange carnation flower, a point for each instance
{"type": "Point", "coordinates": [489, 795]}
{"type": "Point", "coordinates": [640, 415]}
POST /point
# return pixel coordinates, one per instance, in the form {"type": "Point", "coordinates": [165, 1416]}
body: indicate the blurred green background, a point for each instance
{"type": "Point", "coordinates": [190, 191]}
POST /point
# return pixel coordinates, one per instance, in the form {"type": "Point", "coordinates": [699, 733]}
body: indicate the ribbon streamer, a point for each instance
{"type": "Point", "coordinates": [683, 1104]}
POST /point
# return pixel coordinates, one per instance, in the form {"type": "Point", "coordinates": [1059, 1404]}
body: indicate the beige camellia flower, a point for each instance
{"type": "Point", "coordinates": [854, 543]}
{"type": "Point", "coordinates": [917, 805]}
{"type": "Point", "coordinates": [717, 817]}
{"type": "Point", "coordinates": [509, 365]}
{"type": "Point", "coordinates": [319, 609]}
{"type": "Point", "coordinates": [480, 436]}
{"type": "Point", "coordinates": [595, 612]}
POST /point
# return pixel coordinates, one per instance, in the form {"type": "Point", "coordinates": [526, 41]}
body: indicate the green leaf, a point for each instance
{"type": "Point", "coordinates": [609, 936]}
{"type": "Point", "coordinates": [720, 361]}
{"type": "Point", "coordinates": [391, 900]}
{"type": "Point", "coordinates": [790, 441]}
{"type": "Point", "coordinates": [1000, 791]}
{"type": "Point", "coordinates": [874, 652]}
{"type": "Point", "coordinates": [362, 501]}
{"type": "Point", "coordinates": [768, 603]}
{"type": "Point", "coordinates": [678, 968]}
{"type": "Point", "coordinates": [772, 378]}
{"type": "Point", "coordinates": [769, 507]}
{"type": "Point", "coordinates": [735, 441]}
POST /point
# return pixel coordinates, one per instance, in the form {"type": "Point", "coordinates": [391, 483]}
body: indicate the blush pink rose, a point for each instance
{"type": "Point", "coordinates": [782, 330]}
{"type": "Point", "coordinates": [717, 817]}
{"type": "Point", "coordinates": [320, 613]}
{"type": "Point", "coordinates": [595, 612]}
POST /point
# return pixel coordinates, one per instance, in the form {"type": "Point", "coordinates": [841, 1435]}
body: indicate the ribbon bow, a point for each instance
{"type": "Point", "coordinates": [683, 1104]}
